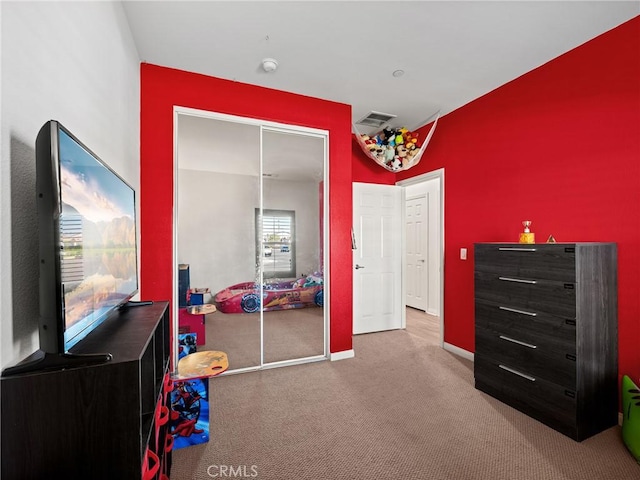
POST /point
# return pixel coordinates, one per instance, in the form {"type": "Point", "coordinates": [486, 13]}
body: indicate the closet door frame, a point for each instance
{"type": "Point", "coordinates": [325, 247]}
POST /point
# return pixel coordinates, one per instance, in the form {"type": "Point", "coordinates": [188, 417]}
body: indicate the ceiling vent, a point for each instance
{"type": "Point", "coordinates": [376, 119]}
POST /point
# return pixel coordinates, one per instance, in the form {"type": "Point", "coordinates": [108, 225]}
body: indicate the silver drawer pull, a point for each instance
{"type": "Point", "coordinates": [515, 310]}
{"type": "Point", "coordinates": [519, 280]}
{"type": "Point", "coordinates": [517, 249]}
{"type": "Point", "coordinates": [515, 372]}
{"type": "Point", "coordinates": [513, 340]}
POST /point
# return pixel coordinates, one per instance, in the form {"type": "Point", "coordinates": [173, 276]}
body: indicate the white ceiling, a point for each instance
{"type": "Point", "coordinates": [452, 52]}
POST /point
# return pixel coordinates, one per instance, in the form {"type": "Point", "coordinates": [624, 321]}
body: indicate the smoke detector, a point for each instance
{"type": "Point", "coordinates": [269, 65]}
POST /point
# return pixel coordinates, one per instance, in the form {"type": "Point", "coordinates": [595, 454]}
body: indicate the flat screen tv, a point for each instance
{"type": "Point", "coordinates": [87, 246]}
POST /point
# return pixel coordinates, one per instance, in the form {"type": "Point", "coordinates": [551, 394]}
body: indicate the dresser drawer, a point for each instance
{"type": "Point", "coordinates": [530, 355]}
{"type": "Point", "coordinates": [557, 298]}
{"type": "Point", "coordinates": [550, 403]}
{"type": "Point", "coordinates": [538, 261]}
{"type": "Point", "coordinates": [554, 332]}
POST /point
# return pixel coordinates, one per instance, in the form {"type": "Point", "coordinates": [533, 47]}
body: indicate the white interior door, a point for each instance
{"type": "Point", "coordinates": [430, 187]}
{"type": "Point", "coordinates": [377, 258]}
{"type": "Point", "coordinates": [416, 252]}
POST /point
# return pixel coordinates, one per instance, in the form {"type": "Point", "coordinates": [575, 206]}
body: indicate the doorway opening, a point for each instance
{"type": "Point", "coordinates": [423, 262]}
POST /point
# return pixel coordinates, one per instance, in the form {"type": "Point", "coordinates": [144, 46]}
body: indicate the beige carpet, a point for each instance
{"type": "Point", "coordinates": [288, 334]}
{"type": "Point", "coordinates": [403, 408]}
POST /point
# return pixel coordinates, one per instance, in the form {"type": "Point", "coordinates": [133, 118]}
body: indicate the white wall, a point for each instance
{"type": "Point", "coordinates": [216, 227]}
{"type": "Point", "coordinates": [216, 224]}
{"type": "Point", "coordinates": [75, 62]}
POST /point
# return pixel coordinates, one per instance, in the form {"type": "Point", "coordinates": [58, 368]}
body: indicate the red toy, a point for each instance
{"type": "Point", "coordinates": [245, 297]}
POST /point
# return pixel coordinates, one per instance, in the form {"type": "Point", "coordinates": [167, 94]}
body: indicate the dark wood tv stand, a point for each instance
{"type": "Point", "coordinates": [94, 421]}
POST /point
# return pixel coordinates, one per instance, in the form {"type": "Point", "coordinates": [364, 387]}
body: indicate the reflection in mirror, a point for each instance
{"type": "Point", "coordinates": [293, 182]}
{"type": "Point", "coordinates": [250, 207]}
{"type": "Point", "coordinates": [277, 243]}
{"type": "Point", "coordinates": [217, 192]}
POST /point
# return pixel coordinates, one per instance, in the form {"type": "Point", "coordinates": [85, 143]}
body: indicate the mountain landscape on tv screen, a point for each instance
{"type": "Point", "coordinates": [104, 263]}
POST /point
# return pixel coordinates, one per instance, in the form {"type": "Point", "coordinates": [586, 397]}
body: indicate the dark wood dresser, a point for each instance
{"type": "Point", "coordinates": [547, 332]}
{"type": "Point", "coordinates": [101, 421]}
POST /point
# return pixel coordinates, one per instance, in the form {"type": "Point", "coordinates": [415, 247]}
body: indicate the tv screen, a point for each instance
{"type": "Point", "coordinates": [87, 219]}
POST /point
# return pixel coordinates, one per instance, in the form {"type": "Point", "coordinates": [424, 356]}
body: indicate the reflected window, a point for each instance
{"type": "Point", "coordinates": [275, 242]}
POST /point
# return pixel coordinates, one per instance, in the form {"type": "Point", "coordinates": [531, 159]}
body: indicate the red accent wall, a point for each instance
{"type": "Point", "coordinates": [559, 146]}
{"type": "Point", "coordinates": [161, 89]}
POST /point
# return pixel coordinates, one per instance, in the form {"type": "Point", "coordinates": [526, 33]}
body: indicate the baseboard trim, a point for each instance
{"type": "Point", "coordinates": [343, 355]}
{"type": "Point", "coordinates": [461, 352]}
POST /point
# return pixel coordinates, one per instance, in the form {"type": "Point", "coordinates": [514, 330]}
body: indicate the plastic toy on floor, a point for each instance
{"type": "Point", "coordinates": [631, 416]}
{"type": "Point", "coordinates": [189, 416]}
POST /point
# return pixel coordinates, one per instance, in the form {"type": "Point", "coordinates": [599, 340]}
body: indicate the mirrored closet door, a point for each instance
{"type": "Point", "coordinates": [249, 232]}
{"type": "Point", "coordinates": [292, 196]}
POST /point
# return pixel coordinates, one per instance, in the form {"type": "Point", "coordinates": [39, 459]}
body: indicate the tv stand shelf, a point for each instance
{"type": "Point", "coordinates": [97, 420]}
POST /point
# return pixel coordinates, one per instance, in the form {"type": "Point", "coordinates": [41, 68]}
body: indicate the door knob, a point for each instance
{"type": "Point", "coordinates": [359, 266]}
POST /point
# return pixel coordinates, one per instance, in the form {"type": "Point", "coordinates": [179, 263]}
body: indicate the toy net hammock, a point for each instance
{"type": "Point", "coordinates": [396, 164]}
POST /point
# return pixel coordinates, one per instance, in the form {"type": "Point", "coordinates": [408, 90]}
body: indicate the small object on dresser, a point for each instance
{"type": "Point", "coordinates": [527, 236]}
{"type": "Point", "coordinates": [551, 239]}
